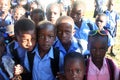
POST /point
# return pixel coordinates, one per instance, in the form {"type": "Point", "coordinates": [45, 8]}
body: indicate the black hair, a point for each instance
{"type": "Point", "coordinates": [40, 12]}
{"type": "Point", "coordinates": [44, 25]}
{"type": "Point", "coordinates": [74, 55]}
{"type": "Point", "coordinates": [24, 25]}
{"type": "Point", "coordinates": [97, 37]}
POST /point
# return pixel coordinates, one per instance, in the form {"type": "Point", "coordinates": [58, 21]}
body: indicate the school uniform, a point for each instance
{"type": "Point", "coordinates": [75, 46]}
{"type": "Point", "coordinates": [94, 73]}
{"type": "Point", "coordinates": [83, 32]}
{"type": "Point", "coordinates": [111, 25]}
{"type": "Point", "coordinates": [41, 66]}
{"type": "Point", "coordinates": [6, 21]}
{"type": "Point", "coordinates": [20, 51]}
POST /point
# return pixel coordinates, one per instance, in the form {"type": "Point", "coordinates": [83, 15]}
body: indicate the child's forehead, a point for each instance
{"type": "Point", "coordinates": [99, 39]}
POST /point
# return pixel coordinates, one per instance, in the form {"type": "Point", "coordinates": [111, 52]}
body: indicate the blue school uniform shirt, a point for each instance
{"type": "Point", "coordinates": [20, 50]}
{"type": "Point", "coordinates": [75, 46]}
{"type": "Point", "coordinates": [82, 33]}
{"type": "Point", "coordinates": [42, 66]}
{"type": "Point", "coordinates": [112, 20]}
{"type": "Point", "coordinates": [7, 21]}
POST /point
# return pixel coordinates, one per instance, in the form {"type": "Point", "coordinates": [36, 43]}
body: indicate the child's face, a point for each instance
{"type": "Point", "coordinates": [27, 40]}
{"type": "Point", "coordinates": [36, 18]}
{"type": "Point", "coordinates": [77, 13]}
{"type": "Point", "coordinates": [18, 14]}
{"type": "Point", "coordinates": [4, 5]}
{"type": "Point", "coordinates": [33, 6]}
{"type": "Point", "coordinates": [100, 22]}
{"type": "Point", "coordinates": [65, 32]}
{"type": "Point", "coordinates": [98, 49]}
{"type": "Point", "coordinates": [74, 70]}
{"type": "Point", "coordinates": [53, 14]}
{"type": "Point", "coordinates": [46, 39]}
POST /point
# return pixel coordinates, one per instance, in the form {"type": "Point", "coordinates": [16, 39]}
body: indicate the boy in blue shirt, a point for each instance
{"type": "Point", "coordinates": [44, 53]}
{"type": "Point", "coordinates": [82, 26]}
{"type": "Point", "coordinates": [25, 34]}
{"type": "Point", "coordinates": [66, 41]}
{"type": "Point", "coordinates": [113, 18]}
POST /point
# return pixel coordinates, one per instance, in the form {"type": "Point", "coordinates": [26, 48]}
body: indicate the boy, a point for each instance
{"type": "Point", "coordinates": [53, 12]}
{"type": "Point", "coordinates": [25, 34]}
{"type": "Point", "coordinates": [44, 64]}
{"type": "Point", "coordinates": [74, 66]}
{"type": "Point", "coordinates": [113, 18]}
{"type": "Point", "coordinates": [18, 13]}
{"type": "Point", "coordinates": [99, 67]}
{"type": "Point", "coordinates": [65, 31]}
{"type": "Point", "coordinates": [37, 15]}
{"type": "Point", "coordinates": [82, 26]}
{"type": "Point", "coordinates": [100, 21]}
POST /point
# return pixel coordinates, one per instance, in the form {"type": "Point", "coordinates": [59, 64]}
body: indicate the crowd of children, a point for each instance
{"type": "Point", "coordinates": [56, 42]}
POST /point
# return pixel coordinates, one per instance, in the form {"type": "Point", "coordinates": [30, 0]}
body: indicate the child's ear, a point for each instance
{"type": "Point", "coordinates": [74, 31]}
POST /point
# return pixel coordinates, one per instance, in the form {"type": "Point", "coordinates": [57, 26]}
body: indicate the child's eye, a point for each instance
{"type": "Point", "coordinates": [59, 32]}
{"type": "Point", "coordinates": [41, 37]}
{"type": "Point", "coordinates": [78, 71]}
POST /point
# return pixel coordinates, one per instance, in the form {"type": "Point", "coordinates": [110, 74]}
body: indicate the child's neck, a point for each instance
{"type": "Point", "coordinates": [66, 46]}
{"type": "Point", "coordinates": [98, 64]}
{"type": "Point", "coordinates": [78, 24]}
{"type": "Point", "coordinates": [42, 53]}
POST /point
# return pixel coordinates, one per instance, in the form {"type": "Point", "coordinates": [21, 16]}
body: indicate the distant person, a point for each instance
{"type": "Point", "coordinates": [112, 22]}
{"type": "Point", "coordinates": [74, 66]}
{"type": "Point", "coordinates": [82, 26]}
{"type": "Point", "coordinates": [101, 21]}
{"type": "Point", "coordinates": [53, 12]}
{"type": "Point", "coordinates": [37, 15]}
{"type": "Point", "coordinates": [98, 66]}
{"type": "Point", "coordinates": [18, 13]}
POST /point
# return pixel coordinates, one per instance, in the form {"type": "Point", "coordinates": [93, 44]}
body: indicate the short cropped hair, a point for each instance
{"type": "Point", "coordinates": [53, 4]}
{"type": "Point", "coordinates": [71, 21]}
{"type": "Point", "coordinates": [44, 25]}
{"type": "Point", "coordinates": [79, 3]}
{"type": "Point", "coordinates": [74, 55]}
{"type": "Point", "coordinates": [24, 25]}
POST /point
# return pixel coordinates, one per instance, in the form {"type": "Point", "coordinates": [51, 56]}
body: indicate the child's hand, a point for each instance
{"type": "Point", "coordinates": [18, 69]}
{"type": "Point", "coordinates": [60, 76]}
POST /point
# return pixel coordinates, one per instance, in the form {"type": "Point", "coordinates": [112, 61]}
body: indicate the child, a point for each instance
{"type": "Point", "coordinates": [74, 66]}
{"type": "Point", "coordinates": [100, 21]}
{"type": "Point", "coordinates": [65, 31]}
{"type": "Point", "coordinates": [5, 16]}
{"type": "Point", "coordinates": [18, 13]}
{"type": "Point", "coordinates": [82, 26]}
{"type": "Point", "coordinates": [45, 65]}
{"type": "Point", "coordinates": [25, 34]}
{"type": "Point", "coordinates": [99, 67]}
{"type": "Point", "coordinates": [37, 15]}
{"type": "Point", "coordinates": [113, 17]}
{"type": "Point", "coordinates": [53, 12]}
